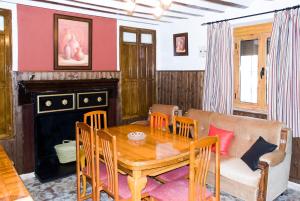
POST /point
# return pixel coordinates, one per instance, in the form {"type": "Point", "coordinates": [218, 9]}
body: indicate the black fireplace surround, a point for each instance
{"type": "Point", "coordinates": [50, 109]}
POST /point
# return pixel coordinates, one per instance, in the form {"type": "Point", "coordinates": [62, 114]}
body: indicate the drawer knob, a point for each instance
{"type": "Point", "coordinates": [48, 103]}
{"type": "Point", "coordinates": [64, 102]}
{"type": "Point", "coordinates": [99, 99]}
{"type": "Point", "coordinates": [85, 100]}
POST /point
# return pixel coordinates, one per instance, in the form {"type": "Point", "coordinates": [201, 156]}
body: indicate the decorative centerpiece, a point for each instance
{"type": "Point", "coordinates": [137, 135]}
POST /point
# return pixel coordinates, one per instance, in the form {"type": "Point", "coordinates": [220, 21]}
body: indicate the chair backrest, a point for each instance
{"type": "Point", "coordinates": [85, 147]}
{"type": "Point", "coordinates": [169, 110]}
{"type": "Point", "coordinates": [159, 121]}
{"type": "Point", "coordinates": [96, 119]}
{"type": "Point", "coordinates": [200, 155]}
{"type": "Point", "coordinates": [107, 144]}
{"type": "Point", "coordinates": [186, 125]}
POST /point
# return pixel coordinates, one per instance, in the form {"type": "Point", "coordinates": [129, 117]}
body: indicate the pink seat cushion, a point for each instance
{"type": "Point", "coordinates": [179, 173]}
{"type": "Point", "coordinates": [124, 190]}
{"type": "Point", "coordinates": [174, 191]}
{"type": "Point", "coordinates": [103, 172]}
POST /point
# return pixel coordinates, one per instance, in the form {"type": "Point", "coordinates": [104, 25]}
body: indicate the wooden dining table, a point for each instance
{"type": "Point", "coordinates": [159, 152]}
{"type": "Point", "coordinates": [11, 186]}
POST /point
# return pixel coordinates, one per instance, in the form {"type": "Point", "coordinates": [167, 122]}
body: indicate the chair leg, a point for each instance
{"type": "Point", "coordinates": [83, 185]}
{"type": "Point", "coordinates": [78, 188]}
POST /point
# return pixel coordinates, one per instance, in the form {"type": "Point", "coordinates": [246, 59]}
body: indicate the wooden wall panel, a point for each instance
{"type": "Point", "coordinates": [250, 114]}
{"type": "Point", "coordinates": [295, 164]}
{"type": "Point", "coordinates": [182, 88]}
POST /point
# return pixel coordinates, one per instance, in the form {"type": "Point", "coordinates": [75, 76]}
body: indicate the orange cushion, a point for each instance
{"type": "Point", "coordinates": [225, 137]}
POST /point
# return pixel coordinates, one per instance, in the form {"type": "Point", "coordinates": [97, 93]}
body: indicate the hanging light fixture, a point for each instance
{"type": "Point", "coordinates": [158, 12]}
{"type": "Point", "coordinates": [130, 6]}
{"type": "Point", "coordinates": [165, 4]}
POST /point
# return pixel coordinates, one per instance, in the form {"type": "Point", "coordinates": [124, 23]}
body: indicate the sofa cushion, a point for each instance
{"type": "Point", "coordinates": [259, 148]}
{"type": "Point", "coordinates": [203, 119]}
{"type": "Point", "coordinates": [246, 131]}
{"type": "Point", "coordinates": [225, 137]}
{"type": "Point", "coordinates": [235, 169]}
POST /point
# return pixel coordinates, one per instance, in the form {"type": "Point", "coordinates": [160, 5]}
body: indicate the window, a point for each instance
{"type": "Point", "coordinates": [250, 59]}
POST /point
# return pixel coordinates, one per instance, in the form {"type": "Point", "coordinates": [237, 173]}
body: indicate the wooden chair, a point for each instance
{"type": "Point", "coordinates": [159, 121]}
{"type": "Point", "coordinates": [115, 184]}
{"type": "Point", "coordinates": [169, 110]}
{"type": "Point", "coordinates": [194, 189]}
{"type": "Point", "coordinates": [186, 126]}
{"type": "Point", "coordinates": [85, 166]}
{"type": "Point", "coordinates": [95, 119]}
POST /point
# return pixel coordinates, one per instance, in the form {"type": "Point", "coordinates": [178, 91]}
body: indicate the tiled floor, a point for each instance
{"type": "Point", "coordinates": [65, 190]}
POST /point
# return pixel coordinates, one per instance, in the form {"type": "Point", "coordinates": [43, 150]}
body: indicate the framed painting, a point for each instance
{"type": "Point", "coordinates": [180, 44]}
{"type": "Point", "coordinates": [72, 43]}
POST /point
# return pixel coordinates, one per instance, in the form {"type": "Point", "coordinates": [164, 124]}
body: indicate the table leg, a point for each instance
{"type": "Point", "coordinates": [136, 183]}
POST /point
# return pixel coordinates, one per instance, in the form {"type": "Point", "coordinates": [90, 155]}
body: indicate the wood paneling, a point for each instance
{"type": "Point", "coordinates": [250, 114]}
{"type": "Point", "coordinates": [295, 164]}
{"type": "Point", "coordinates": [182, 88]}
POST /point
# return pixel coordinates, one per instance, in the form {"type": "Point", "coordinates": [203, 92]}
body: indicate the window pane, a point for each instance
{"type": "Point", "coordinates": [146, 38]}
{"type": "Point", "coordinates": [129, 37]}
{"type": "Point", "coordinates": [1, 23]}
{"type": "Point", "coordinates": [248, 71]}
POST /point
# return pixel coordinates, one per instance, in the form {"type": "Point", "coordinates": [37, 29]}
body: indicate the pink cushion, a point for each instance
{"type": "Point", "coordinates": [124, 190]}
{"type": "Point", "coordinates": [174, 191]}
{"type": "Point", "coordinates": [224, 136]}
{"type": "Point", "coordinates": [103, 172]}
{"type": "Point", "coordinates": [179, 173]}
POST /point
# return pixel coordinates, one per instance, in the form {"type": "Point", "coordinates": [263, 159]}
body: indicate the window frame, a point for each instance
{"type": "Point", "coordinates": [261, 32]}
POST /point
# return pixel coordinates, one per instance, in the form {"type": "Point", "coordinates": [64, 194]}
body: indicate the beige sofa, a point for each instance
{"type": "Point", "coordinates": [237, 178]}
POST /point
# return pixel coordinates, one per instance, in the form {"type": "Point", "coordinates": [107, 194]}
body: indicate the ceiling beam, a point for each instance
{"type": "Point", "coordinates": [121, 9]}
{"type": "Point", "coordinates": [226, 3]}
{"type": "Point", "coordinates": [169, 10]}
{"type": "Point", "coordinates": [98, 10]}
{"type": "Point", "coordinates": [197, 7]}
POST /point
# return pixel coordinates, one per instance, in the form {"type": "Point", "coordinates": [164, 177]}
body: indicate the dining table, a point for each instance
{"type": "Point", "coordinates": [158, 152]}
{"type": "Point", "coordinates": [11, 185]}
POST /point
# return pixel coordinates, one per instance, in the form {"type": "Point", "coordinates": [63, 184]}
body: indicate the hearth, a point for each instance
{"type": "Point", "coordinates": [50, 110]}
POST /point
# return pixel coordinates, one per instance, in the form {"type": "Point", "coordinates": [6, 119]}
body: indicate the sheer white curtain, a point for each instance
{"type": "Point", "coordinates": [284, 70]}
{"type": "Point", "coordinates": [218, 80]}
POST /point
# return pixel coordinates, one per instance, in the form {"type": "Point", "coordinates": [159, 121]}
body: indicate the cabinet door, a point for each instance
{"type": "Point", "coordinates": [5, 78]}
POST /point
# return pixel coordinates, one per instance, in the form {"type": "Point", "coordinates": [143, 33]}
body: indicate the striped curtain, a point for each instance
{"type": "Point", "coordinates": [218, 80]}
{"type": "Point", "coordinates": [284, 70]}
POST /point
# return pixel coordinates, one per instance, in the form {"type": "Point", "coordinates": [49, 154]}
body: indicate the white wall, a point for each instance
{"type": "Point", "coordinates": [197, 33]}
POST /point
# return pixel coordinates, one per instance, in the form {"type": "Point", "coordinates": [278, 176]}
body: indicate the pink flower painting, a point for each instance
{"type": "Point", "coordinates": [73, 43]}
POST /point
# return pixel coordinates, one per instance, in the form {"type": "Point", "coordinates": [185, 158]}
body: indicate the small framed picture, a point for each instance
{"type": "Point", "coordinates": [180, 44]}
{"type": "Point", "coordinates": [72, 43]}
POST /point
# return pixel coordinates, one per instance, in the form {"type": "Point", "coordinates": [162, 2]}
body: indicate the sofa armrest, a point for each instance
{"type": "Point", "coordinates": [263, 183]}
{"type": "Point", "coordinates": [273, 158]}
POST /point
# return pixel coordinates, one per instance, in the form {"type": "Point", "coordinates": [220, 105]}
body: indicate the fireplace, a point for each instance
{"type": "Point", "coordinates": [50, 110]}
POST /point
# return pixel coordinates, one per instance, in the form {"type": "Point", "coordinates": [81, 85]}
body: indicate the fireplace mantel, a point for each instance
{"type": "Point", "coordinates": [26, 88]}
{"type": "Point", "coordinates": [29, 93]}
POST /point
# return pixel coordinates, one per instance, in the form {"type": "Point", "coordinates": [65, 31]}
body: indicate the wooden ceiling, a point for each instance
{"type": "Point", "coordinates": [179, 9]}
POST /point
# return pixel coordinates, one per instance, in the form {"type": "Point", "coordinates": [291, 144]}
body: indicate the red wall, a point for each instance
{"type": "Point", "coordinates": [35, 38]}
